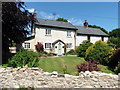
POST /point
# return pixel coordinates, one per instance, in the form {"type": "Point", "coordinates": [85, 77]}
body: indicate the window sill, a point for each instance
{"type": "Point", "coordinates": [48, 35]}
{"type": "Point", "coordinates": [68, 48]}
{"type": "Point", "coordinates": [27, 48]}
{"type": "Point", "coordinates": [47, 48]}
{"type": "Point", "coordinates": [69, 36]}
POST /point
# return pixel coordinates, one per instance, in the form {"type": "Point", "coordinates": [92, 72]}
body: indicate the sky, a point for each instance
{"type": "Point", "coordinates": [103, 14]}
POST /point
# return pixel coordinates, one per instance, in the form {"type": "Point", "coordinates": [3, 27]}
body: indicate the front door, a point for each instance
{"type": "Point", "coordinates": [59, 49]}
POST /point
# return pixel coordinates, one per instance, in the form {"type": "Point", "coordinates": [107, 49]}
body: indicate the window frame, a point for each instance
{"type": "Point", "coordinates": [27, 45]}
{"type": "Point", "coordinates": [48, 45]}
{"type": "Point", "coordinates": [69, 34]}
{"type": "Point", "coordinates": [47, 31]}
{"type": "Point", "coordinates": [69, 45]}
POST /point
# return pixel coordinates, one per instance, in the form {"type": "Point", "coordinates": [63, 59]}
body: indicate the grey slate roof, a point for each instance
{"type": "Point", "coordinates": [80, 29]}
{"type": "Point", "coordinates": [90, 31]}
{"type": "Point", "coordinates": [52, 23]}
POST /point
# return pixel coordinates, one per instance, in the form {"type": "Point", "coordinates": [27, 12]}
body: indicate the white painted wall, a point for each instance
{"type": "Point", "coordinates": [56, 34]}
{"type": "Point", "coordinates": [80, 39]}
{"type": "Point", "coordinates": [32, 44]}
{"type": "Point", "coordinates": [105, 39]}
{"type": "Point", "coordinates": [93, 39]}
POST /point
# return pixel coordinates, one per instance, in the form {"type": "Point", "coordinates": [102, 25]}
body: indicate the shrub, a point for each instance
{"type": "Point", "coordinates": [39, 47]}
{"type": "Point", "coordinates": [82, 49]}
{"type": "Point", "coordinates": [88, 66]}
{"type": "Point", "coordinates": [42, 53]}
{"type": "Point", "coordinates": [115, 59]}
{"type": "Point", "coordinates": [24, 57]}
{"type": "Point", "coordinates": [117, 69]}
{"type": "Point", "coordinates": [71, 52]}
{"type": "Point", "coordinates": [99, 52]}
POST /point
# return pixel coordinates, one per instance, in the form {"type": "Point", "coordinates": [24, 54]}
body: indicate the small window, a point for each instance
{"type": "Point", "coordinates": [47, 45]}
{"type": "Point", "coordinates": [48, 32]}
{"type": "Point", "coordinates": [27, 45]}
{"type": "Point", "coordinates": [69, 33]}
{"type": "Point", "coordinates": [69, 45]}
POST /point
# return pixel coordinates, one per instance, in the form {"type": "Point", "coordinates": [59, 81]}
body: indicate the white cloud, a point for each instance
{"type": "Point", "coordinates": [75, 21]}
{"type": "Point", "coordinates": [49, 15]}
{"type": "Point", "coordinates": [31, 10]}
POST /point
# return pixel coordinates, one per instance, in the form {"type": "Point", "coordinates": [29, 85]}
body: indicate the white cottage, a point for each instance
{"type": "Point", "coordinates": [59, 37]}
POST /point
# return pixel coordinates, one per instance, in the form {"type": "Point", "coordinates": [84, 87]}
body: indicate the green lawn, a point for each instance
{"type": "Point", "coordinates": [50, 64]}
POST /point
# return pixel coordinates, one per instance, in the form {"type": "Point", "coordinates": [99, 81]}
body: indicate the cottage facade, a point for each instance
{"type": "Point", "coordinates": [58, 37]}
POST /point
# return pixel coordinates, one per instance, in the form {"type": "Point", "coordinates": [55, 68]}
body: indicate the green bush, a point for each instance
{"type": "Point", "coordinates": [99, 52]}
{"type": "Point", "coordinates": [43, 53]}
{"type": "Point", "coordinates": [71, 52]}
{"type": "Point", "coordinates": [24, 57]}
{"type": "Point", "coordinates": [82, 49]}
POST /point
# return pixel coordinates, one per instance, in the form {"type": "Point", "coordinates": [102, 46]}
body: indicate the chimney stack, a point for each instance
{"type": "Point", "coordinates": [85, 24]}
{"type": "Point", "coordinates": [35, 17]}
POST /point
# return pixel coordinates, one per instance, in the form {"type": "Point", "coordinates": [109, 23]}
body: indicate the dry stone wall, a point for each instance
{"type": "Point", "coordinates": [35, 77]}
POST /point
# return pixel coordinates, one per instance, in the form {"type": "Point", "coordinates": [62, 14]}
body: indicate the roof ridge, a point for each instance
{"type": "Point", "coordinates": [52, 20]}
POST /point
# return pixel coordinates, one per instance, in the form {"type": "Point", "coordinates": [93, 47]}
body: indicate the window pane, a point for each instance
{"type": "Point", "coordinates": [47, 45]}
{"type": "Point", "coordinates": [27, 45]}
{"type": "Point", "coordinates": [68, 33]}
{"type": "Point", "coordinates": [69, 45]}
{"type": "Point", "coordinates": [48, 31]}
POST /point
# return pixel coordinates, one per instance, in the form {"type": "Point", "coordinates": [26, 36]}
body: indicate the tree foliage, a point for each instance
{"type": "Point", "coordinates": [95, 26]}
{"type": "Point", "coordinates": [114, 39]}
{"type": "Point", "coordinates": [115, 33]}
{"type": "Point", "coordinates": [62, 19]}
{"type": "Point", "coordinates": [15, 22]}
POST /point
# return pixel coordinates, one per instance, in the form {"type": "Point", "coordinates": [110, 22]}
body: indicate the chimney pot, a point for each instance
{"type": "Point", "coordinates": [86, 24]}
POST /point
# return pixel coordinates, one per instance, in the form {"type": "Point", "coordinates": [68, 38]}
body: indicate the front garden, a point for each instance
{"type": "Point", "coordinates": [90, 57]}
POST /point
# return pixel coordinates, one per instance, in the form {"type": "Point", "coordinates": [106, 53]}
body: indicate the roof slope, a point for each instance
{"type": "Point", "coordinates": [53, 23]}
{"type": "Point", "coordinates": [90, 31]}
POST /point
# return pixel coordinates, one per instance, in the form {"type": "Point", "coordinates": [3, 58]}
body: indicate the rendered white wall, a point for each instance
{"type": "Point", "coordinates": [93, 39]}
{"type": "Point", "coordinates": [32, 44]}
{"type": "Point", "coordinates": [56, 34]}
{"type": "Point", "coordinates": [105, 39]}
{"type": "Point", "coordinates": [80, 39]}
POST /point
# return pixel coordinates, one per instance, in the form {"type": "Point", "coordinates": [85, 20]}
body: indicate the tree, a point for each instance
{"type": "Point", "coordinates": [62, 19]}
{"type": "Point", "coordinates": [114, 39]}
{"type": "Point", "coordinates": [115, 32]}
{"type": "Point", "coordinates": [15, 22]}
{"type": "Point", "coordinates": [95, 26]}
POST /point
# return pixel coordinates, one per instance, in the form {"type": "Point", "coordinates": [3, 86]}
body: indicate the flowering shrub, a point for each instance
{"type": "Point", "coordinates": [88, 66]}
{"type": "Point", "coordinates": [39, 47]}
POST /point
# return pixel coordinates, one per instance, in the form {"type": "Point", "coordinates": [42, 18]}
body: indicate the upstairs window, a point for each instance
{"type": "Point", "coordinates": [26, 45]}
{"type": "Point", "coordinates": [48, 32]}
{"type": "Point", "coordinates": [69, 45]}
{"type": "Point", "coordinates": [48, 45]}
{"type": "Point", "coordinates": [69, 33]}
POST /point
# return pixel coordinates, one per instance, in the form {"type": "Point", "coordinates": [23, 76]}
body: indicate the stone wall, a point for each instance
{"type": "Point", "coordinates": [35, 77]}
